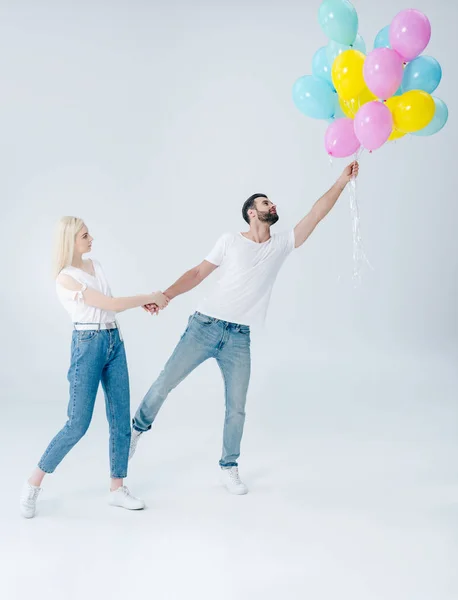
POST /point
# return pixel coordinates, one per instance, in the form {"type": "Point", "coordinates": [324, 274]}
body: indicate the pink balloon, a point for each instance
{"type": "Point", "coordinates": [373, 125]}
{"type": "Point", "coordinates": [383, 72]}
{"type": "Point", "coordinates": [410, 32]}
{"type": "Point", "coordinates": [340, 139]}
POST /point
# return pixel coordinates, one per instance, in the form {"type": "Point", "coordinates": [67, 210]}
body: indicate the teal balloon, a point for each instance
{"type": "Point", "coordinates": [320, 65]}
{"type": "Point", "coordinates": [439, 120]}
{"type": "Point", "coordinates": [339, 114]}
{"type": "Point", "coordinates": [359, 44]}
{"type": "Point", "coordinates": [423, 73]}
{"type": "Point", "coordinates": [382, 39]}
{"type": "Point", "coordinates": [333, 49]}
{"type": "Point", "coordinates": [314, 97]}
{"type": "Point", "coordinates": [398, 92]}
{"type": "Point", "coordinates": [338, 20]}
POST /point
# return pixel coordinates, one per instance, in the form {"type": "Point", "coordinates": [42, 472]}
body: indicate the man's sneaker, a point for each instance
{"type": "Point", "coordinates": [231, 480]}
{"type": "Point", "coordinates": [28, 500]}
{"type": "Point", "coordinates": [135, 436]}
{"type": "Point", "coordinates": [123, 498]}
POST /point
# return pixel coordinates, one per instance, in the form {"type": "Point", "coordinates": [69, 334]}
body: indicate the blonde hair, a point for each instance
{"type": "Point", "coordinates": [66, 231]}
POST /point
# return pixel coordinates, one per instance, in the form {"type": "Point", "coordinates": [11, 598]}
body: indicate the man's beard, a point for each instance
{"type": "Point", "coordinates": [268, 217]}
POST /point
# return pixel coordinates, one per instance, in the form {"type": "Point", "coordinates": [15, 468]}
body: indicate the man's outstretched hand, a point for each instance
{"type": "Point", "coordinates": [350, 172]}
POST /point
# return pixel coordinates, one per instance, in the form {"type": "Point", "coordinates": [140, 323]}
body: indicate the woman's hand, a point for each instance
{"type": "Point", "coordinates": [152, 309]}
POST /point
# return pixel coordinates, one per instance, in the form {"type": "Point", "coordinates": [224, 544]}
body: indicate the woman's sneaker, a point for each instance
{"type": "Point", "coordinates": [28, 500]}
{"type": "Point", "coordinates": [135, 436]}
{"type": "Point", "coordinates": [123, 498]}
{"type": "Point", "coordinates": [231, 480]}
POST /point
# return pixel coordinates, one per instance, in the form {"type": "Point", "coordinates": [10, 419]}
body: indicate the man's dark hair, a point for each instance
{"type": "Point", "coordinates": [249, 204]}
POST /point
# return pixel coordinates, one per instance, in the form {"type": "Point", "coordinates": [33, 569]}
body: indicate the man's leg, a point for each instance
{"type": "Point", "coordinates": [191, 351]}
{"type": "Point", "coordinates": [234, 361]}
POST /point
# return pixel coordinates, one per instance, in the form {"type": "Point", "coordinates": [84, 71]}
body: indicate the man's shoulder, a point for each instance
{"type": "Point", "coordinates": [284, 241]}
{"type": "Point", "coordinates": [282, 235]}
{"type": "Point", "coordinates": [228, 236]}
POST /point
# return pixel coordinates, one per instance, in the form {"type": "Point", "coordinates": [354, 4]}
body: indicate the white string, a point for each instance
{"type": "Point", "coordinates": [359, 256]}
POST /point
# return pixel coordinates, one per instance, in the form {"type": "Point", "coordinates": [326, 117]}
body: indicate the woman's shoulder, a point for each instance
{"type": "Point", "coordinates": [67, 281]}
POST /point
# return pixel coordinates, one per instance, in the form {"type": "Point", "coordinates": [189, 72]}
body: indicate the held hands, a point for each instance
{"type": "Point", "coordinates": [152, 309]}
{"type": "Point", "coordinates": [350, 172]}
{"type": "Point", "coordinates": [159, 301]}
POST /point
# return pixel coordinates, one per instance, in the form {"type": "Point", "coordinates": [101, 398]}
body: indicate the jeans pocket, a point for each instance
{"type": "Point", "coordinates": [245, 330]}
{"type": "Point", "coordinates": [203, 319]}
{"type": "Point", "coordinates": [86, 336]}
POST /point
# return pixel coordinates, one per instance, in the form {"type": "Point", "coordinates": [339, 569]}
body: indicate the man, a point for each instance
{"type": "Point", "coordinates": [220, 329]}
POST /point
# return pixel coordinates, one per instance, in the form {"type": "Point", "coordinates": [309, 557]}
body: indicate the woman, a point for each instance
{"type": "Point", "coordinates": [97, 355]}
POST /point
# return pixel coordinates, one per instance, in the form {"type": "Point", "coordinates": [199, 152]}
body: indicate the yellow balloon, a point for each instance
{"type": "Point", "coordinates": [347, 74]}
{"type": "Point", "coordinates": [392, 103]}
{"type": "Point", "coordinates": [414, 110]}
{"type": "Point", "coordinates": [395, 135]}
{"type": "Point", "coordinates": [351, 107]}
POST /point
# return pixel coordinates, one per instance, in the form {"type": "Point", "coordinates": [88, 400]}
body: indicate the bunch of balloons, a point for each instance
{"type": "Point", "coordinates": [369, 100]}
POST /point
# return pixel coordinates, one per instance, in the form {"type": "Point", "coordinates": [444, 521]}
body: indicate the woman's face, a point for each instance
{"type": "Point", "coordinates": [83, 242]}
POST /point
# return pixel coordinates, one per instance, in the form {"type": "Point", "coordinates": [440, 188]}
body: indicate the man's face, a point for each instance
{"type": "Point", "coordinates": [266, 211]}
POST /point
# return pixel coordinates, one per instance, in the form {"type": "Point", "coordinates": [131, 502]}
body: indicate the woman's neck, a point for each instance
{"type": "Point", "coordinates": [77, 261]}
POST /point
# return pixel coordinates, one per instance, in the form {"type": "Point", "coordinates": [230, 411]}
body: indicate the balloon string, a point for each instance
{"type": "Point", "coordinates": [359, 256]}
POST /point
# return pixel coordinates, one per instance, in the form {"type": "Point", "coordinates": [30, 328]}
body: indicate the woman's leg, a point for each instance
{"type": "Point", "coordinates": [115, 383]}
{"type": "Point", "coordinates": [88, 358]}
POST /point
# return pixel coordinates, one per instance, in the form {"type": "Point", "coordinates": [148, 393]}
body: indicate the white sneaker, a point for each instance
{"type": "Point", "coordinates": [28, 500]}
{"type": "Point", "coordinates": [123, 498]}
{"type": "Point", "coordinates": [135, 436]}
{"type": "Point", "coordinates": [231, 480]}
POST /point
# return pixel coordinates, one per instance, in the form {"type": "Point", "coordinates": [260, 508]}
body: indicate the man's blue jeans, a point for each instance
{"type": "Point", "coordinates": [206, 337]}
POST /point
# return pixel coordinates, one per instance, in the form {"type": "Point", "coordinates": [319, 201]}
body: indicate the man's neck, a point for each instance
{"type": "Point", "coordinates": [258, 233]}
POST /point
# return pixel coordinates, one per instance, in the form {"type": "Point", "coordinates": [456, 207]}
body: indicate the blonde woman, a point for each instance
{"type": "Point", "coordinates": [97, 355]}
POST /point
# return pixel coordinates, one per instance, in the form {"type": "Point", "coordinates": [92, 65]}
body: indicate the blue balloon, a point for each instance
{"type": "Point", "coordinates": [439, 120]}
{"type": "Point", "coordinates": [383, 38]}
{"type": "Point", "coordinates": [338, 20]}
{"type": "Point", "coordinates": [333, 49]}
{"type": "Point", "coordinates": [320, 65]}
{"type": "Point", "coordinates": [423, 73]}
{"type": "Point", "coordinates": [314, 97]}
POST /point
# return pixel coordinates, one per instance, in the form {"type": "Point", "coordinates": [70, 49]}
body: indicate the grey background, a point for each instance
{"type": "Point", "coordinates": [154, 121]}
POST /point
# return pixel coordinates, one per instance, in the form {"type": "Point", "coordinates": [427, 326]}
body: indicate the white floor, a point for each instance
{"type": "Point", "coordinates": [353, 476]}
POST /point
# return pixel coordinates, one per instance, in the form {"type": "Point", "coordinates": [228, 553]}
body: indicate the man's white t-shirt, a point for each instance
{"type": "Point", "coordinates": [247, 274]}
